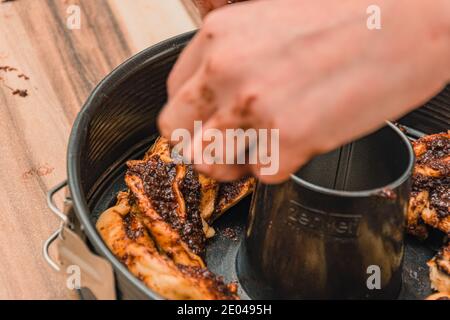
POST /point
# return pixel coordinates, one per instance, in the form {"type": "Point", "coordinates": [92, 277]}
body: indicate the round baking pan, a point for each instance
{"type": "Point", "coordinates": [118, 123]}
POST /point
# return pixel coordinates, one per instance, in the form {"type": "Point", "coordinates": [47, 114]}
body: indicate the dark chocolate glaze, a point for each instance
{"type": "Point", "coordinates": [228, 192]}
{"type": "Point", "coordinates": [193, 228]}
{"type": "Point", "coordinates": [438, 189]}
{"type": "Point", "coordinates": [132, 228]}
{"type": "Point", "coordinates": [216, 283]}
{"type": "Point", "coordinates": [158, 178]}
{"type": "Point", "coordinates": [440, 199]}
{"type": "Point", "coordinates": [437, 150]}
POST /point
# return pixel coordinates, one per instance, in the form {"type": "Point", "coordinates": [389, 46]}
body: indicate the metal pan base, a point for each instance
{"type": "Point", "coordinates": [222, 250]}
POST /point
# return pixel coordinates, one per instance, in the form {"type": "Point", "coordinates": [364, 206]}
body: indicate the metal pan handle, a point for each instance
{"type": "Point", "coordinates": [64, 221]}
{"type": "Point", "coordinates": [98, 274]}
{"type": "Point", "coordinates": [46, 249]}
{"type": "Point", "coordinates": [51, 202]}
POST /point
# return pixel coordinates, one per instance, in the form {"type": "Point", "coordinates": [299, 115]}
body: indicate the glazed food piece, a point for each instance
{"type": "Point", "coordinates": [208, 198]}
{"type": "Point", "coordinates": [176, 203]}
{"type": "Point", "coordinates": [130, 241]}
{"type": "Point", "coordinates": [430, 198]}
{"type": "Point", "coordinates": [157, 184]}
{"type": "Point", "coordinates": [215, 198]}
{"type": "Point", "coordinates": [158, 229]}
{"type": "Point", "coordinates": [230, 194]}
{"type": "Point", "coordinates": [208, 187]}
{"type": "Point", "coordinates": [439, 296]}
{"type": "Point", "coordinates": [440, 270]}
{"type": "Point", "coordinates": [418, 203]}
{"type": "Point", "coordinates": [180, 237]}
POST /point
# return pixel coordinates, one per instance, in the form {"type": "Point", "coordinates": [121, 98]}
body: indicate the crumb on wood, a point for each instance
{"type": "Point", "coordinates": [39, 171]}
{"type": "Point", "coordinates": [7, 68]}
{"type": "Point", "coordinates": [16, 92]}
{"type": "Point", "coordinates": [20, 93]}
{"type": "Point", "coordinates": [24, 76]}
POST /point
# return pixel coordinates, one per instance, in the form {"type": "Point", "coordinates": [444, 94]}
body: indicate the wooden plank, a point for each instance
{"type": "Point", "coordinates": [63, 66]}
{"type": "Point", "coordinates": [192, 11]}
{"type": "Point", "coordinates": [171, 18]}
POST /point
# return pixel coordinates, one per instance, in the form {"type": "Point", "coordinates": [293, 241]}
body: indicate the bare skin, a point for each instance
{"type": "Point", "coordinates": [206, 6]}
{"type": "Point", "coordinates": [311, 69]}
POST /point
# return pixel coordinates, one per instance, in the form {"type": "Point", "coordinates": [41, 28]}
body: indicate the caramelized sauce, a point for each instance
{"type": "Point", "coordinates": [158, 178]}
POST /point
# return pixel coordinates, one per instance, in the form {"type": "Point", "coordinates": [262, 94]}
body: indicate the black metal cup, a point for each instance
{"type": "Point", "coordinates": [335, 229]}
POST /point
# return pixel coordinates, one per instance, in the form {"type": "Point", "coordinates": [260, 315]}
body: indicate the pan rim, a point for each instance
{"type": "Point", "coordinates": [79, 132]}
{"type": "Point", "coordinates": [367, 193]}
{"type": "Point", "coordinates": [78, 135]}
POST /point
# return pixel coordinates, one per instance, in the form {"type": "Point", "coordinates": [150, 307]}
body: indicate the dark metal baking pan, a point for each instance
{"type": "Point", "coordinates": [118, 123]}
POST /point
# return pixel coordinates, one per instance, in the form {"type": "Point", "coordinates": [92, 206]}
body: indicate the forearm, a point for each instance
{"type": "Point", "coordinates": [440, 15]}
{"type": "Point", "coordinates": [446, 9]}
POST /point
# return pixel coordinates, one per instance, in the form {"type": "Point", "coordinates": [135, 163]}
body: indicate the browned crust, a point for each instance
{"type": "Point", "coordinates": [231, 193]}
{"type": "Point", "coordinates": [430, 199]}
{"type": "Point", "coordinates": [439, 296]}
{"type": "Point", "coordinates": [433, 155]}
{"type": "Point", "coordinates": [440, 270]}
{"type": "Point", "coordinates": [215, 198]}
{"type": "Point", "coordinates": [160, 148]}
{"type": "Point", "coordinates": [209, 191]}
{"type": "Point", "coordinates": [166, 237]}
{"type": "Point", "coordinates": [128, 239]}
{"type": "Point", "coordinates": [415, 224]}
{"type": "Point", "coordinates": [159, 228]}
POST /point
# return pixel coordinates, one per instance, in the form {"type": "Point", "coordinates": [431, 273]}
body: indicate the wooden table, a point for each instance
{"type": "Point", "coordinates": [58, 67]}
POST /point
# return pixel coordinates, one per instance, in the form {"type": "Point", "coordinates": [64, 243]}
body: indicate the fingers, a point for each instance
{"type": "Point", "coordinates": [220, 148]}
{"type": "Point", "coordinates": [195, 101]}
{"type": "Point", "coordinates": [216, 151]}
{"type": "Point", "coordinates": [275, 173]}
{"type": "Point", "coordinates": [186, 66]}
{"type": "Point", "coordinates": [192, 57]}
{"type": "Point", "coordinates": [223, 172]}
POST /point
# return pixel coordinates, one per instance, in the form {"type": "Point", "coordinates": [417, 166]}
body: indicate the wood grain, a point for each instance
{"type": "Point", "coordinates": [63, 66]}
{"type": "Point", "coordinates": [193, 11]}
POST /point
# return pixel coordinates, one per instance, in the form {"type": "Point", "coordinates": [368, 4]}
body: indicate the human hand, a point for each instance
{"type": "Point", "coordinates": [206, 6]}
{"type": "Point", "coordinates": [311, 69]}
